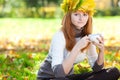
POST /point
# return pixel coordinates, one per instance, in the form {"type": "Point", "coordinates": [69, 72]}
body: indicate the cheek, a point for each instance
{"type": "Point", "coordinates": [73, 19]}
{"type": "Point", "coordinates": [86, 19]}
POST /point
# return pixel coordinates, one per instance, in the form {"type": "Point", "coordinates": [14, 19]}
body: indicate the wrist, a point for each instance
{"type": "Point", "coordinates": [101, 50]}
{"type": "Point", "coordinates": [77, 48]}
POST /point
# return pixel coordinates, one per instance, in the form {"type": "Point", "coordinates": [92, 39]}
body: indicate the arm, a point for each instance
{"type": "Point", "coordinates": [57, 52]}
{"type": "Point", "coordinates": [62, 67]}
{"type": "Point", "coordinates": [92, 54]}
{"type": "Point", "coordinates": [96, 59]}
{"type": "Point", "coordinates": [100, 45]}
{"type": "Point", "coordinates": [69, 61]}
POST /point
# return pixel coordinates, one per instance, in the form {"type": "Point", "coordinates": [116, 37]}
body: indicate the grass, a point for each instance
{"type": "Point", "coordinates": [47, 27]}
{"type": "Point", "coordinates": [28, 27]}
{"type": "Point", "coordinates": [20, 65]}
{"type": "Point", "coordinates": [108, 26]}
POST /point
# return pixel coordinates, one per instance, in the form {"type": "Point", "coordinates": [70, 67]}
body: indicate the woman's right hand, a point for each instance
{"type": "Point", "coordinates": [82, 43]}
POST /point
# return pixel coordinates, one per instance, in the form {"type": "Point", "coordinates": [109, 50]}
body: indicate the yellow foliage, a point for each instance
{"type": "Point", "coordinates": [117, 54]}
{"type": "Point", "coordinates": [84, 5]}
{"type": "Point", "coordinates": [12, 53]}
{"type": "Point", "coordinates": [48, 9]}
{"type": "Point", "coordinates": [107, 64]}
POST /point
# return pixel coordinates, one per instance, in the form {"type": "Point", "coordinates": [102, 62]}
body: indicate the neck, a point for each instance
{"type": "Point", "coordinates": [78, 32]}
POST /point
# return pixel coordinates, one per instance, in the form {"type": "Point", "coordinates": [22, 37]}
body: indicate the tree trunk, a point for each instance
{"type": "Point", "coordinates": [117, 3]}
{"type": "Point", "coordinates": [112, 3]}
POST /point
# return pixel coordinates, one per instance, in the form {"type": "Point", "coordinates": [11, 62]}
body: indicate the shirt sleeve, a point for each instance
{"type": "Point", "coordinates": [59, 71]}
{"type": "Point", "coordinates": [57, 51]}
{"type": "Point", "coordinates": [97, 67]}
{"type": "Point", "coordinates": [92, 54]}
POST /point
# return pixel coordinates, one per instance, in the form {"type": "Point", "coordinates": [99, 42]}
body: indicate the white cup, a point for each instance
{"type": "Point", "coordinates": [93, 38]}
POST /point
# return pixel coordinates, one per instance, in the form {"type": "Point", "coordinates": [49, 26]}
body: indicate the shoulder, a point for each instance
{"type": "Point", "coordinates": [59, 37]}
{"type": "Point", "coordinates": [59, 33]}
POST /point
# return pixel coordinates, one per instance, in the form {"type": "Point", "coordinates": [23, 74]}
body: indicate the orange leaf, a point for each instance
{"type": "Point", "coordinates": [117, 54]}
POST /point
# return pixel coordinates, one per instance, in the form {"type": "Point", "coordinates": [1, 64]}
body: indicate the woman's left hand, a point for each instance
{"type": "Point", "coordinates": [100, 45]}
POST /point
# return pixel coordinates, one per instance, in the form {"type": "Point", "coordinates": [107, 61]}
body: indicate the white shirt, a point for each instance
{"type": "Point", "coordinates": [58, 52]}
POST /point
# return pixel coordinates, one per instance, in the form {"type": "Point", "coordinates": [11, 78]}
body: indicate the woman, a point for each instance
{"type": "Point", "coordinates": [72, 45]}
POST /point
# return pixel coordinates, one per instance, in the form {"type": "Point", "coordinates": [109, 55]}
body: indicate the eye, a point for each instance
{"type": "Point", "coordinates": [76, 14]}
{"type": "Point", "coordinates": [85, 14]}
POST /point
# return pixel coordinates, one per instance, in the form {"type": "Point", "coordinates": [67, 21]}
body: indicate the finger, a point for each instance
{"type": "Point", "coordinates": [102, 37]}
{"type": "Point", "coordinates": [86, 36]}
{"type": "Point", "coordinates": [97, 44]}
{"type": "Point", "coordinates": [100, 40]}
{"type": "Point", "coordinates": [94, 43]}
{"type": "Point", "coordinates": [88, 40]}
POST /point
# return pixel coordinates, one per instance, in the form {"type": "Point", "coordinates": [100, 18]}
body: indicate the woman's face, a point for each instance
{"type": "Point", "coordinates": [79, 19]}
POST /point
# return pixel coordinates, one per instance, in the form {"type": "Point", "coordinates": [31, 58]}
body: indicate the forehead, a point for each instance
{"type": "Point", "coordinates": [80, 11]}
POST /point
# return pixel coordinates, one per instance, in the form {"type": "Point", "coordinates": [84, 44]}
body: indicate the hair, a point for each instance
{"type": "Point", "coordinates": [69, 32]}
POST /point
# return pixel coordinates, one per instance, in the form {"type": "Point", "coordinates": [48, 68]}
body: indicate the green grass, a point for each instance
{"type": "Point", "coordinates": [20, 65]}
{"type": "Point", "coordinates": [28, 27]}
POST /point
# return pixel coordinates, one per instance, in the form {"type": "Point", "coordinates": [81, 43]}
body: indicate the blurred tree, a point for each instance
{"type": "Point", "coordinates": [117, 3]}
{"type": "Point", "coordinates": [41, 3]}
{"type": "Point", "coordinates": [57, 2]}
{"type": "Point", "coordinates": [2, 4]}
{"type": "Point", "coordinates": [32, 3]}
{"type": "Point", "coordinates": [38, 3]}
{"type": "Point", "coordinates": [114, 3]}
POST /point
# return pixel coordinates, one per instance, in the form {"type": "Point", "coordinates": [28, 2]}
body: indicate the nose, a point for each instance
{"type": "Point", "coordinates": [80, 17]}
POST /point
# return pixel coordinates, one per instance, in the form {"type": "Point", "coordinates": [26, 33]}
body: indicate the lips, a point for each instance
{"type": "Point", "coordinates": [80, 22]}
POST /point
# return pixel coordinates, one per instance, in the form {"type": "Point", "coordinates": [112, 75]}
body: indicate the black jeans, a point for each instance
{"type": "Point", "coordinates": [105, 74]}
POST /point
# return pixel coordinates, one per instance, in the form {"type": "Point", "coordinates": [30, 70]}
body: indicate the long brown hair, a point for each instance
{"type": "Point", "coordinates": [69, 32]}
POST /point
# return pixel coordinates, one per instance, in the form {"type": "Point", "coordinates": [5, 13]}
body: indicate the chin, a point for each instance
{"type": "Point", "coordinates": [79, 27]}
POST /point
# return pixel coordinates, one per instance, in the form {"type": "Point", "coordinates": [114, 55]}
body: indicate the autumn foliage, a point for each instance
{"type": "Point", "coordinates": [24, 54]}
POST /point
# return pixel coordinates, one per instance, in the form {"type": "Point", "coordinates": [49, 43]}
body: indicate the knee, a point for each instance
{"type": "Point", "coordinates": [114, 71]}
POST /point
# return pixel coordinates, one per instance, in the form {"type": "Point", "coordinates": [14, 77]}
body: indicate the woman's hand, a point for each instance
{"type": "Point", "coordinates": [83, 42]}
{"type": "Point", "coordinates": [100, 45]}
{"type": "Point", "coordinates": [69, 61]}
